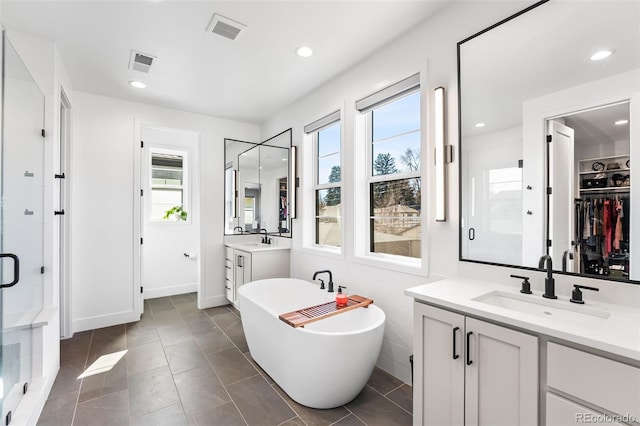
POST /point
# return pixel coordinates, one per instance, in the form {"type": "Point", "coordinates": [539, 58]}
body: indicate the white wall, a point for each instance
{"type": "Point", "coordinates": [429, 48]}
{"type": "Point", "coordinates": [102, 202]}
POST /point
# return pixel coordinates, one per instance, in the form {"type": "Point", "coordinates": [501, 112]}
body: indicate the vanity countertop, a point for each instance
{"type": "Point", "coordinates": [618, 334]}
{"type": "Point", "coordinates": [253, 247]}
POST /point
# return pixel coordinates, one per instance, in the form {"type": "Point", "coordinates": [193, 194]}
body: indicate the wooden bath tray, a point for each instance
{"type": "Point", "coordinates": [314, 313]}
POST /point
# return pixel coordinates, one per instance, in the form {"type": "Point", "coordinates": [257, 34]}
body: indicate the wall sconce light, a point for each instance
{"type": "Point", "coordinates": [234, 205]}
{"type": "Point", "coordinates": [293, 185]}
{"type": "Point", "coordinates": [443, 155]}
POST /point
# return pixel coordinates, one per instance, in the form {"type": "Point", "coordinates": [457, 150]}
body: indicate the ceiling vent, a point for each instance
{"type": "Point", "coordinates": [140, 61]}
{"type": "Point", "coordinates": [225, 27]}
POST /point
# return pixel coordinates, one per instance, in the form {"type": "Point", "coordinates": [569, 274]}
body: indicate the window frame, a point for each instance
{"type": "Point", "coordinates": [184, 188]}
{"type": "Point", "coordinates": [403, 263]}
{"type": "Point", "coordinates": [328, 185]}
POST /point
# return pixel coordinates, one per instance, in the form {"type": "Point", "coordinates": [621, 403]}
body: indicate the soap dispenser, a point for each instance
{"type": "Point", "coordinates": [341, 299]}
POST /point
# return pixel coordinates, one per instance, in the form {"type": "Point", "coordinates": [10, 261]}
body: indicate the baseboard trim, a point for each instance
{"type": "Point", "coordinates": [92, 323]}
{"type": "Point", "coordinates": [170, 291]}
{"type": "Point", "coordinates": [213, 301]}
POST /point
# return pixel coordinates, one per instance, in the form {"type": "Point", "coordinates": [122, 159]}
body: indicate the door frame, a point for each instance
{"type": "Point", "coordinates": [138, 210]}
{"type": "Point", "coordinates": [618, 88]}
{"type": "Point", "coordinates": [64, 228]}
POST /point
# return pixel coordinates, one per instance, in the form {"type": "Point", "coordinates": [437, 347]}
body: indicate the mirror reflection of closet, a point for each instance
{"type": "Point", "coordinates": [536, 75]}
{"type": "Point", "coordinates": [590, 173]}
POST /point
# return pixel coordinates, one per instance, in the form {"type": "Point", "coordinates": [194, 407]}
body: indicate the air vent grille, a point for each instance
{"type": "Point", "coordinates": [225, 27]}
{"type": "Point", "coordinates": [140, 61]}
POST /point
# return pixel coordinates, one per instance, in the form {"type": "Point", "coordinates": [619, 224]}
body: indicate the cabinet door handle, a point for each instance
{"type": "Point", "coordinates": [455, 355]}
{"type": "Point", "coordinates": [240, 261]}
{"type": "Point", "coordinates": [469, 362]}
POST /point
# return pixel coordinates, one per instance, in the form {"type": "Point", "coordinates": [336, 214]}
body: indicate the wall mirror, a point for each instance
{"type": "Point", "coordinates": [548, 101]}
{"type": "Point", "coordinates": [257, 190]}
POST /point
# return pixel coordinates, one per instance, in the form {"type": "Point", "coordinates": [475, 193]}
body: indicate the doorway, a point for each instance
{"type": "Point", "coordinates": [169, 213]}
{"type": "Point", "coordinates": [590, 205]}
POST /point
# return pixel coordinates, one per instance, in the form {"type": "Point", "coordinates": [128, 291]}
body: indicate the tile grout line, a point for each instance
{"type": "Point", "coordinates": [216, 374]}
{"type": "Point", "coordinates": [86, 359]}
{"type": "Point", "coordinates": [393, 390]}
{"type": "Point", "coordinates": [258, 371]}
{"type": "Point", "coordinates": [393, 402]}
{"type": "Point", "coordinates": [342, 418]}
{"type": "Point", "coordinates": [288, 420]}
{"type": "Point", "coordinates": [288, 405]}
{"type": "Point", "coordinates": [173, 379]}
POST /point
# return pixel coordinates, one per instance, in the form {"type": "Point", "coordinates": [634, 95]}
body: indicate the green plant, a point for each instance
{"type": "Point", "coordinates": [175, 210]}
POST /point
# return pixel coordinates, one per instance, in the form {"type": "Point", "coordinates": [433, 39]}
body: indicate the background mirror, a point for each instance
{"type": "Point", "coordinates": [258, 174]}
{"type": "Point", "coordinates": [532, 79]}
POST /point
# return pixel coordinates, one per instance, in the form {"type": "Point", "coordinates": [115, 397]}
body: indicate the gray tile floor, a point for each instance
{"type": "Point", "coordinates": [185, 366]}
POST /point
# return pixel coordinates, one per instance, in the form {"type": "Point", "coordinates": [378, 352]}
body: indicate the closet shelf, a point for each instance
{"type": "Point", "coordinates": [608, 189]}
{"type": "Point", "coordinates": [591, 172]}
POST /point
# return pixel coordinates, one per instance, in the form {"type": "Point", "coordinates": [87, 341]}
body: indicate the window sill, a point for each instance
{"type": "Point", "coordinates": [327, 251]}
{"type": "Point", "coordinates": [393, 263]}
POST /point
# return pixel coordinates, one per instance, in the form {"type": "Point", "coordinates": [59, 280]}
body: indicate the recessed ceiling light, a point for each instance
{"type": "Point", "coordinates": [602, 54]}
{"type": "Point", "coordinates": [304, 51]}
{"type": "Point", "coordinates": [479, 124]}
{"type": "Point", "coordinates": [621, 122]}
{"type": "Point", "coordinates": [137, 84]}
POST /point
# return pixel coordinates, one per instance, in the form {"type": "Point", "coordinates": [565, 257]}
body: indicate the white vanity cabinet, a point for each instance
{"type": "Point", "coordinates": [610, 385]}
{"type": "Point", "coordinates": [252, 263]}
{"type": "Point", "coordinates": [472, 372]}
{"type": "Point", "coordinates": [229, 274]}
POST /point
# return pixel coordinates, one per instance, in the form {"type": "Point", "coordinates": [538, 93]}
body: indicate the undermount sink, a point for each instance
{"type": "Point", "coordinates": [578, 315]}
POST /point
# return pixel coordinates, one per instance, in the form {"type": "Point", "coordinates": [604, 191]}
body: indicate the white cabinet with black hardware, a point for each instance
{"type": "Point", "coordinates": [243, 266]}
{"type": "Point", "coordinates": [471, 372]}
{"type": "Point", "coordinates": [576, 378]}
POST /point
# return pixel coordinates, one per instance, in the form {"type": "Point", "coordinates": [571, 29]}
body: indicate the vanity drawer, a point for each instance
{"type": "Point", "coordinates": [228, 253]}
{"type": "Point", "coordinates": [603, 382]}
{"type": "Point", "coordinates": [228, 270]}
{"type": "Point", "coordinates": [562, 412]}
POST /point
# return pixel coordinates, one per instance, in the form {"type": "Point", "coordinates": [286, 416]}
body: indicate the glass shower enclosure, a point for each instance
{"type": "Point", "coordinates": [21, 226]}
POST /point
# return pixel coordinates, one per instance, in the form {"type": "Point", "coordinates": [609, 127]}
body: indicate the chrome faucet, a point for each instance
{"type": "Point", "coordinates": [240, 228]}
{"type": "Point", "coordinates": [330, 289]}
{"type": "Point", "coordinates": [549, 282]}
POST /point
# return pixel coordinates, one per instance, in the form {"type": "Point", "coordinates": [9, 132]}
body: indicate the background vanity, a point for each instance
{"type": "Point", "coordinates": [257, 201]}
{"type": "Point", "coordinates": [257, 190]}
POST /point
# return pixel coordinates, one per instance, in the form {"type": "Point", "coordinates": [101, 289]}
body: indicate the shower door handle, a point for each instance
{"type": "Point", "coordinates": [472, 234]}
{"type": "Point", "coordinates": [16, 269]}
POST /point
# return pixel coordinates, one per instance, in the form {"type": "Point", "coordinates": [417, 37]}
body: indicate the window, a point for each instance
{"type": "Point", "coordinates": [167, 183]}
{"type": "Point", "coordinates": [327, 180]}
{"type": "Point", "coordinates": [328, 186]}
{"type": "Point", "coordinates": [505, 200]}
{"type": "Point", "coordinates": [394, 181]}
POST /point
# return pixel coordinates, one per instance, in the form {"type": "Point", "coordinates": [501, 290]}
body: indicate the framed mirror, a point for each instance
{"type": "Point", "coordinates": [547, 101]}
{"type": "Point", "coordinates": [257, 190]}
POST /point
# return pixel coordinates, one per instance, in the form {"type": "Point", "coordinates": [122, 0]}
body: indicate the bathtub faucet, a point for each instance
{"type": "Point", "coordinates": [330, 289]}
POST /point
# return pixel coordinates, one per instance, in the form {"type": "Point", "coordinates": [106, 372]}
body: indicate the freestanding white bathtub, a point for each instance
{"type": "Point", "coordinates": [323, 365]}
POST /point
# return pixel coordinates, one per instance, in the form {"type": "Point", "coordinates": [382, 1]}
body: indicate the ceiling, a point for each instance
{"type": "Point", "coordinates": [248, 79]}
{"type": "Point", "coordinates": [544, 51]}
